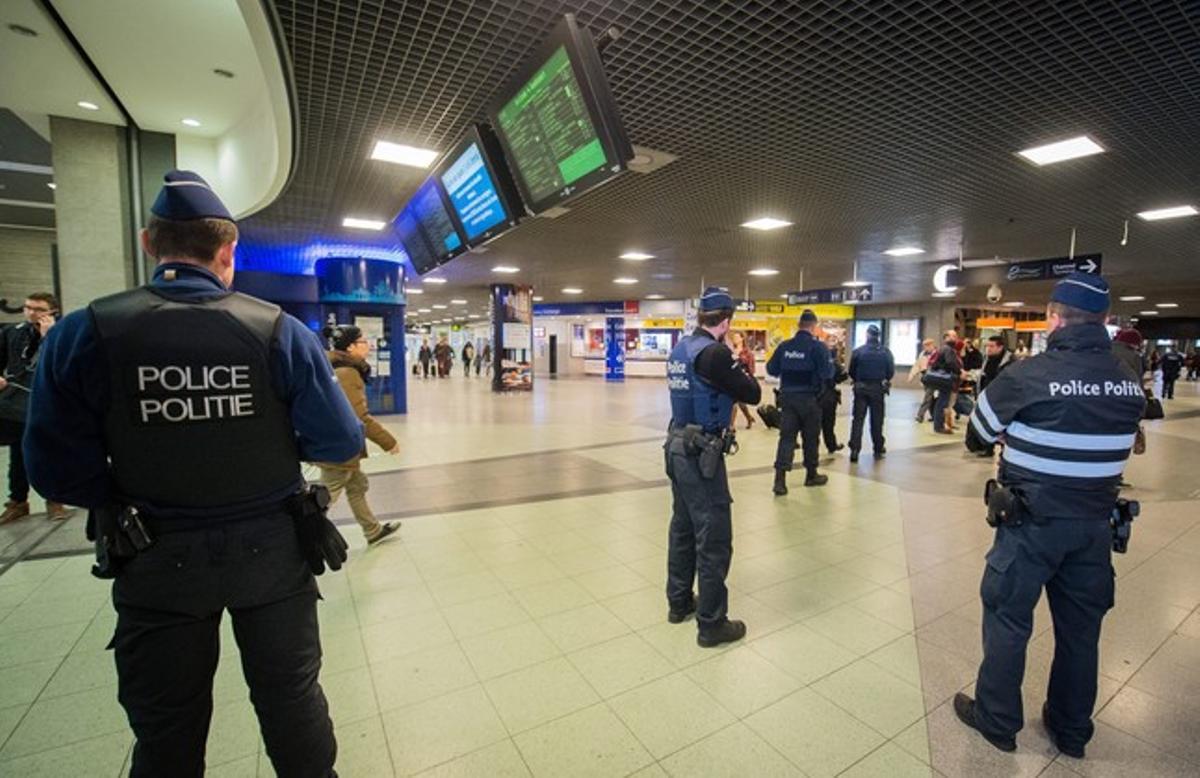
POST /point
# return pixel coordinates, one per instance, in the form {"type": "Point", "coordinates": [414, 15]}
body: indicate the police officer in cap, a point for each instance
{"type": "Point", "coordinates": [1067, 419]}
{"type": "Point", "coordinates": [871, 369]}
{"type": "Point", "coordinates": [705, 380]}
{"type": "Point", "coordinates": [803, 366]}
{"type": "Point", "coordinates": [194, 405]}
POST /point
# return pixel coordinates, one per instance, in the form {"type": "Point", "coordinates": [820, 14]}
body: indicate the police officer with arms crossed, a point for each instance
{"type": "Point", "coordinates": [195, 406]}
{"type": "Point", "coordinates": [871, 369]}
{"type": "Point", "coordinates": [705, 380]}
{"type": "Point", "coordinates": [1067, 419]}
{"type": "Point", "coordinates": [803, 366]}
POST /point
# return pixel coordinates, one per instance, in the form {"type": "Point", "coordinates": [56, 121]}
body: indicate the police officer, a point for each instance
{"type": "Point", "coordinates": [195, 405]}
{"type": "Point", "coordinates": [705, 380]}
{"type": "Point", "coordinates": [1067, 419]}
{"type": "Point", "coordinates": [803, 366]}
{"type": "Point", "coordinates": [871, 369]}
{"type": "Point", "coordinates": [829, 400]}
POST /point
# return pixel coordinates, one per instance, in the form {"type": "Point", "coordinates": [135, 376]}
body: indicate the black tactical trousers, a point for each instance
{"type": "Point", "coordinates": [801, 413]}
{"type": "Point", "coordinates": [169, 604]}
{"type": "Point", "coordinates": [18, 482]}
{"type": "Point", "coordinates": [868, 396]}
{"type": "Point", "coordinates": [829, 406]}
{"type": "Point", "coordinates": [701, 536]}
{"type": "Point", "coordinates": [1072, 559]}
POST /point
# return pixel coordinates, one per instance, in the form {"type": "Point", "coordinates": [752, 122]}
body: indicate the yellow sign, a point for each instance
{"type": "Point", "coordinates": [662, 324]}
{"type": "Point", "coordinates": [1038, 325]}
{"type": "Point", "coordinates": [995, 323]}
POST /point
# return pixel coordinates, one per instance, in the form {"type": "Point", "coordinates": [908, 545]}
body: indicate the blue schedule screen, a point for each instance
{"type": "Point", "coordinates": [473, 193]}
{"type": "Point", "coordinates": [431, 213]}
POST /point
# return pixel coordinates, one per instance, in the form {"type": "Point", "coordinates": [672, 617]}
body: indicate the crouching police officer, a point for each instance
{"type": "Point", "coordinates": [1067, 419]}
{"type": "Point", "coordinates": [185, 410]}
{"type": "Point", "coordinates": [871, 369]}
{"type": "Point", "coordinates": [705, 380]}
{"type": "Point", "coordinates": [803, 366]}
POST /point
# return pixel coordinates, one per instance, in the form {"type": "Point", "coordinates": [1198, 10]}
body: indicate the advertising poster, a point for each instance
{"type": "Point", "coordinates": [512, 320]}
{"type": "Point", "coordinates": [614, 348]}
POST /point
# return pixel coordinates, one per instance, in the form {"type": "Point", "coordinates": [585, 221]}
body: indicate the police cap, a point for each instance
{"type": "Point", "coordinates": [1085, 291]}
{"type": "Point", "coordinates": [186, 196]}
{"type": "Point", "coordinates": [808, 317]}
{"type": "Point", "coordinates": [715, 299]}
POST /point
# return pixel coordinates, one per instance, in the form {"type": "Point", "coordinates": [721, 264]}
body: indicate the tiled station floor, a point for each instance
{"type": "Point", "coordinates": [516, 624]}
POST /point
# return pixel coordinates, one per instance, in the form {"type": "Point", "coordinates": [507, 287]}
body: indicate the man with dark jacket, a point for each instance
{"type": "Point", "coordinates": [947, 361]}
{"type": "Point", "coordinates": [19, 346]}
{"type": "Point", "coordinates": [872, 368]}
{"type": "Point", "coordinates": [998, 358]}
{"type": "Point", "coordinates": [830, 399]}
{"type": "Point", "coordinates": [803, 366]}
{"type": "Point", "coordinates": [1172, 366]}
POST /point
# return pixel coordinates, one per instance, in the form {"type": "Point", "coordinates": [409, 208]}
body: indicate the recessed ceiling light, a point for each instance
{"type": "Point", "coordinates": [537, 298]}
{"type": "Point", "coordinates": [414, 291]}
{"type": "Point", "coordinates": [1166, 305]}
{"type": "Point", "coordinates": [783, 296]}
{"type": "Point", "coordinates": [424, 310]}
{"type": "Point", "coordinates": [506, 269]}
{"type": "Point", "coordinates": [764, 271]}
{"type": "Point", "coordinates": [654, 297]}
{"type": "Point", "coordinates": [1173, 212]}
{"type": "Point", "coordinates": [439, 307]}
{"type": "Point", "coordinates": [473, 316]}
{"type": "Point", "coordinates": [433, 280]}
{"type": "Point", "coordinates": [624, 280]}
{"type": "Point", "coordinates": [88, 106]}
{"type": "Point", "coordinates": [856, 283]}
{"type": "Point", "coordinates": [637, 256]}
{"type": "Point", "coordinates": [190, 122]}
{"type": "Point", "coordinates": [52, 185]}
{"type": "Point", "coordinates": [1072, 148]}
{"type": "Point", "coordinates": [572, 290]}
{"type": "Point", "coordinates": [904, 251]}
{"type": "Point", "coordinates": [363, 224]}
{"type": "Point", "coordinates": [458, 302]}
{"type": "Point", "coordinates": [1013, 304]}
{"type": "Point", "coordinates": [766, 223]}
{"type": "Point", "coordinates": [1132, 298]}
{"type": "Point", "coordinates": [403, 155]}
{"type": "Point", "coordinates": [1148, 313]}
{"type": "Point", "coordinates": [943, 294]}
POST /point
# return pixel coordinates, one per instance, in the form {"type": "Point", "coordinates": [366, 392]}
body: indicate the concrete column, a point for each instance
{"type": "Point", "coordinates": [92, 209]}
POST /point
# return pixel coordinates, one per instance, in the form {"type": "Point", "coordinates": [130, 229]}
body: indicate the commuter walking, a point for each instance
{"type": "Point", "coordinates": [468, 355]}
{"type": "Point", "coordinates": [1172, 366]}
{"type": "Point", "coordinates": [487, 358]}
{"type": "Point", "coordinates": [704, 381]}
{"type": "Point", "coordinates": [803, 365]}
{"type": "Point", "coordinates": [829, 400]}
{"type": "Point", "coordinates": [19, 347]}
{"type": "Point", "coordinates": [1057, 493]}
{"type": "Point", "coordinates": [948, 368]}
{"type": "Point", "coordinates": [185, 444]}
{"type": "Point", "coordinates": [917, 372]}
{"type": "Point", "coordinates": [872, 368]}
{"type": "Point", "coordinates": [745, 358]}
{"type": "Point", "coordinates": [997, 358]}
{"type": "Point", "coordinates": [349, 360]}
{"type": "Point", "coordinates": [425, 357]}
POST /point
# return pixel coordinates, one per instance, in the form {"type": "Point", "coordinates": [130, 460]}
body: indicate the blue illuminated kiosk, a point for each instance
{"type": "Point", "coordinates": [369, 293]}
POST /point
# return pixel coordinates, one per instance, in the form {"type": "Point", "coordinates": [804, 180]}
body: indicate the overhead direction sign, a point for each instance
{"type": "Point", "coordinates": [1048, 269]}
{"type": "Point", "coordinates": [837, 294]}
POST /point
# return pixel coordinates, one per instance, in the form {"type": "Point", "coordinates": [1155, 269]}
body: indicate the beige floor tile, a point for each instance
{"type": "Point", "coordinates": [501, 760]}
{"type": "Point", "coordinates": [100, 756]}
{"type": "Point", "coordinates": [1168, 725]}
{"type": "Point", "coordinates": [670, 713]}
{"type": "Point", "coordinates": [465, 588]}
{"type": "Point", "coordinates": [479, 617]}
{"type": "Point", "coordinates": [362, 750]}
{"type": "Point", "coordinates": [435, 731]}
{"type": "Point", "coordinates": [611, 582]}
{"type": "Point", "coordinates": [581, 627]}
{"type": "Point", "coordinates": [505, 650]}
{"type": "Point", "coordinates": [404, 680]}
{"type": "Point", "coordinates": [742, 680]}
{"type": "Point", "coordinates": [408, 635]}
{"type": "Point", "coordinates": [955, 749]}
{"type": "Point", "coordinates": [734, 752]}
{"type": "Point", "coordinates": [814, 734]}
{"type": "Point", "coordinates": [541, 693]}
{"type": "Point", "coordinates": [803, 653]}
{"type": "Point", "coordinates": [62, 720]}
{"type": "Point", "coordinates": [621, 664]}
{"type": "Point", "coordinates": [850, 627]}
{"type": "Point", "coordinates": [592, 743]}
{"type": "Point", "coordinates": [552, 597]}
{"type": "Point", "coordinates": [22, 684]}
{"type": "Point", "coordinates": [889, 761]}
{"type": "Point", "coordinates": [1115, 754]}
{"type": "Point", "coordinates": [873, 696]}
{"type": "Point", "coordinates": [640, 608]}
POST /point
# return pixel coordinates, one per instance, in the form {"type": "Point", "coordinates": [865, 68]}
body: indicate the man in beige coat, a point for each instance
{"type": "Point", "coordinates": [349, 359]}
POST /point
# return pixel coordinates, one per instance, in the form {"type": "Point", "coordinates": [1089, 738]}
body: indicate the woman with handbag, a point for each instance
{"type": "Point", "coordinates": [945, 372]}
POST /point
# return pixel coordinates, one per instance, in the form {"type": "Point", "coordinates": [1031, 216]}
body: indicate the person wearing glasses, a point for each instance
{"type": "Point", "coordinates": [349, 359]}
{"type": "Point", "coordinates": [19, 346]}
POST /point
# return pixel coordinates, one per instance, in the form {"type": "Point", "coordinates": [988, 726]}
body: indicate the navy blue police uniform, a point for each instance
{"type": "Point", "coordinates": [1172, 365]}
{"type": "Point", "coordinates": [829, 400]}
{"type": "Point", "coordinates": [195, 406]}
{"type": "Point", "coordinates": [1067, 420]}
{"type": "Point", "coordinates": [803, 365]}
{"type": "Point", "coordinates": [872, 367]}
{"type": "Point", "coordinates": [704, 380]}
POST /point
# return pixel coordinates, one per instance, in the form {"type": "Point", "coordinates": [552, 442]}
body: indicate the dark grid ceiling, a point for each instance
{"type": "Point", "coordinates": [868, 124]}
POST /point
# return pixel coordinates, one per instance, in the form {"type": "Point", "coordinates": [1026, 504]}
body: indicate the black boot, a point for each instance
{"type": "Point", "coordinates": [727, 632]}
{"type": "Point", "coordinates": [1070, 749]}
{"type": "Point", "coordinates": [853, 455]}
{"type": "Point", "coordinates": [964, 708]}
{"type": "Point", "coordinates": [780, 487]}
{"type": "Point", "coordinates": [815, 479]}
{"type": "Point", "coordinates": [679, 613]}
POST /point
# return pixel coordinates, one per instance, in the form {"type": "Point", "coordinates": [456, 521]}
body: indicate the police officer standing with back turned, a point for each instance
{"type": "Point", "coordinates": [871, 369]}
{"type": "Point", "coordinates": [185, 409]}
{"type": "Point", "coordinates": [1067, 418]}
{"type": "Point", "coordinates": [705, 380]}
{"type": "Point", "coordinates": [803, 366]}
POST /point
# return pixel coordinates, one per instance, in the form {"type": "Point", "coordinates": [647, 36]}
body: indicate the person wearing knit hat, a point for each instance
{"type": "Point", "coordinates": [193, 406]}
{"type": "Point", "coordinates": [704, 380]}
{"type": "Point", "coordinates": [1068, 420]}
{"type": "Point", "coordinates": [804, 367]}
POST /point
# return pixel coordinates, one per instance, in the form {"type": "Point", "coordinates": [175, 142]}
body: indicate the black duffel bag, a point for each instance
{"type": "Point", "coordinates": [1154, 409]}
{"type": "Point", "coordinates": [942, 380]}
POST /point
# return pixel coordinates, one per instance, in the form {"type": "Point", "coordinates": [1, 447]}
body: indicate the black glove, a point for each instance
{"type": "Point", "coordinates": [320, 541]}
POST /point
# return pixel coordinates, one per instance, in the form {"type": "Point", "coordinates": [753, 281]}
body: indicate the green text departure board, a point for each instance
{"type": "Point", "coordinates": [549, 131]}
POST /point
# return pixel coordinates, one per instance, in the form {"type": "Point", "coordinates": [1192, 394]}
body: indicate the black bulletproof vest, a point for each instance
{"type": "Point", "coordinates": [193, 421]}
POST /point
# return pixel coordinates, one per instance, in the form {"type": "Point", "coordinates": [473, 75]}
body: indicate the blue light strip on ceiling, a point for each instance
{"type": "Point", "coordinates": [301, 259]}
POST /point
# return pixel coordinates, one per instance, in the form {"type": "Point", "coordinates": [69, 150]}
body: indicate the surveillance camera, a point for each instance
{"type": "Point", "coordinates": [994, 294]}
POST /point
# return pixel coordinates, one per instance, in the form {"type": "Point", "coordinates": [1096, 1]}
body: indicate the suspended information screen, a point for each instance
{"type": "Point", "coordinates": [479, 186]}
